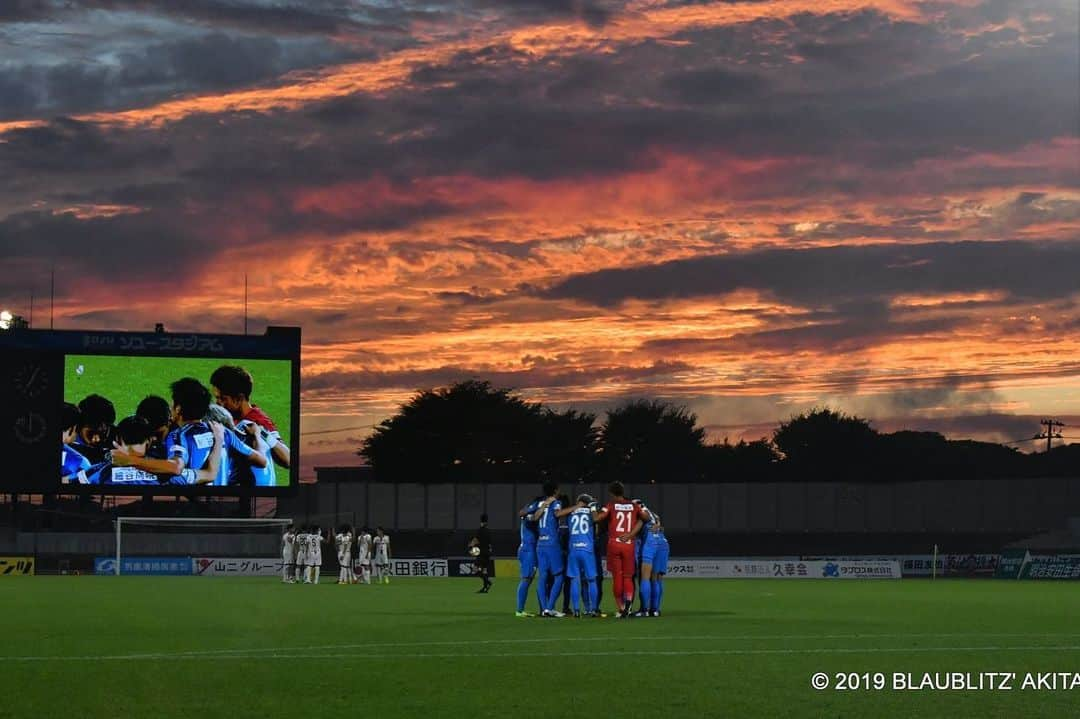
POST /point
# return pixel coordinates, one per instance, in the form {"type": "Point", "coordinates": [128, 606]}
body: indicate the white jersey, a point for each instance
{"type": "Point", "coordinates": [363, 548]}
{"type": "Point", "coordinates": [315, 549]}
{"type": "Point", "coordinates": [288, 547]}
{"type": "Point", "coordinates": [301, 548]}
{"type": "Point", "coordinates": [382, 549]}
{"type": "Point", "coordinates": [344, 547]}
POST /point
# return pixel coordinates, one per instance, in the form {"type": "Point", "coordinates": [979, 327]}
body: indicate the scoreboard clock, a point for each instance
{"type": "Point", "coordinates": [31, 392]}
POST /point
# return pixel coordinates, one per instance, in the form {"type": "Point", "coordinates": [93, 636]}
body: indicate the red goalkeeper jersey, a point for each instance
{"type": "Point", "coordinates": [622, 516]}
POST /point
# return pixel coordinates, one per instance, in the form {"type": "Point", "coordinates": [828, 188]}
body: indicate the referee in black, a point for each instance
{"type": "Point", "coordinates": [483, 560]}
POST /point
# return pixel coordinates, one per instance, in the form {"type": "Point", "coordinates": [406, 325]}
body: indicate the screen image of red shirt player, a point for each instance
{"type": "Point", "coordinates": [625, 519]}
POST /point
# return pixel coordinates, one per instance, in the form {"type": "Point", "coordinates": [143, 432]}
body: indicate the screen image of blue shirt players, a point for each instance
{"type": "Point", "coordinates": [241, 464]}
{"type": "Point", "coordinates": [581, 560]}
{"type": "Point", "coordinates": [73, 464]}
{"type": "Point", "coordinates": [191, 443]}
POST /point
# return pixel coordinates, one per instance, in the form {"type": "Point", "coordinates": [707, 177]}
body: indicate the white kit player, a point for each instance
{"type": "Point", "coordinates": [344, 542]}
{"type": "Point", "coordinates": [288, 555]}
{"type": "Point", "coordinates": [382, 556]}
{"type": "Point", "coordinates": [315, 542]}
{"type": "Point", "coordinates": [302, 557]}
{"type": "Point", "coordinates": [363, 555]}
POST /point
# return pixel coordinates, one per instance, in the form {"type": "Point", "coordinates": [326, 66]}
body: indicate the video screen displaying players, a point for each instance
{"type": "Point", "coordinates": [175, 421]}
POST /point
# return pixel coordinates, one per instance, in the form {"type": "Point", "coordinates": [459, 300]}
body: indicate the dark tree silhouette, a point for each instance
{"type": "Point", "coordinates": [569, 445]}
{"type": "Point", "coordinates": [823, 443]}
{"type": "Point", "coordinates": [472, 431]}
{"type": "Point", "coordinates": [922, 455]}
{"type": "Point", "coordinates": [651, 441]}
{"type": "Point", "coordinates": [755, 460]}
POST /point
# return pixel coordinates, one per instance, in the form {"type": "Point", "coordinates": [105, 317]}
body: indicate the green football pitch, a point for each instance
{"type": "Point", "coordinates": [220, 647]}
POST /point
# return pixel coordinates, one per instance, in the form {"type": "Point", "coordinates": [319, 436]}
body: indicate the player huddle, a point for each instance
{"type": "Point", "coordinates": [636, 550]}
{"type": "Point", "coordinates": [301, 554]}
{"type": "Point", "coordinates": [199, 438]}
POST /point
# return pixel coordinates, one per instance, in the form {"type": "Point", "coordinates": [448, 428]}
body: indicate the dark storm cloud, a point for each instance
{"type": "Point", "coordinates": [71, 147]}
{"type": "Point", "coordinates": [155, 71]}
{"type": "Point", "coordinates": [593, 114]}
{"type": "Point", "coordinates": [504, 115]}
{"type": "Point", "coordinates": [120, 249]}
{"type": "Point", "coordinates": [26, 10]}
{"type": "Point", "coordinates": [824, 276]}
{"type": "Point", "coordinates": [20, 91]}
{"type": "Point", "coordinates": [74, 85]}
{"type": "Point", "coordinates": [713, 85]}
{"type": "Point", "coordinates": [309, 16]}
{"type": "Point", "coordinates": [592, 12]}
{"type": "Point", "coordinates": [211, 61]}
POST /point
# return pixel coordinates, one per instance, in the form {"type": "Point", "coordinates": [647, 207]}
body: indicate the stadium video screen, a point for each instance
{"type": "Point", "coordinates": [139, 423]}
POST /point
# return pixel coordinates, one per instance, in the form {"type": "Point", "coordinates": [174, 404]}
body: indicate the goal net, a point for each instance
{"type": "Point", "coordinates": [174, 536]}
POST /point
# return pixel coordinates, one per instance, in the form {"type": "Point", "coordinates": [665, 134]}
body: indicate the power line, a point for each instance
{"type": "Point", "coordinates": [1019, 441]}
{"type": "Point", "coordinates": [1050, 435]}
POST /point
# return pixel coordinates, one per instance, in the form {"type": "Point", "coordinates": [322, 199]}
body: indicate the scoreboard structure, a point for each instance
{"type": "Point", "coordinates": [41, 370]}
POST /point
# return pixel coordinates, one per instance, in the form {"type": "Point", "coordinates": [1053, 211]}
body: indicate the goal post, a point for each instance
{"type": "Point", "coordinates": [120, 523]}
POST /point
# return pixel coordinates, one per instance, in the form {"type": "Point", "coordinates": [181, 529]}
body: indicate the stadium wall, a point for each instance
{"type": "Point", "coordinates": [993, 506]}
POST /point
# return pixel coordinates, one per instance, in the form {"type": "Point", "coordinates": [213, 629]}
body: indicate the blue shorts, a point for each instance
{"type": "Point", "coordinates": [527, 560]}
{"type": "Point", "coordinates": [656, 554]}
{"type": "Point", "coordinates": [581, 564]}
{"type": "Point", "coordinates": [549, 559]}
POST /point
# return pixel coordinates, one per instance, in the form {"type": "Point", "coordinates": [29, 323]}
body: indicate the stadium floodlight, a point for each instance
{"type": "Point", "coordinates": [5, 320]}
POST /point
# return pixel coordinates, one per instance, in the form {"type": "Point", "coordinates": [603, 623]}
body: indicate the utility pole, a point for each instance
{"type": "Point", "coordinates": [1050, 434]}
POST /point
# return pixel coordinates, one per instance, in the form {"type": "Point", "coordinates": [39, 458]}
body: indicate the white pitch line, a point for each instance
{"type": "Point", "coordinates": [541, 640]}
{"type": "Point", "coordinates": [279, 651]}
{"type": "Point", "coordinates": [502, 655]}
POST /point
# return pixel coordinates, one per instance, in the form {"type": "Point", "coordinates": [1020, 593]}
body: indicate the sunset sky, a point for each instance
{"type": "Point", "coordinates": [749, 208]}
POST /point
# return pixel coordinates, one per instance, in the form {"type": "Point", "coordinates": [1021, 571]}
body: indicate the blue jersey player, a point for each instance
{"type": "Point", "coordinates": [549, 555]}
{"type": "Point", "coordinates": [73, 464]}
{"type": "Point", "coordinates": [238, 459]}
{"type": "Point", "coordinates": [256, 436]}
{"type": "Point", "coordinates": [654, 561]}
{"type": "Point", "coordinates": [193, 447]}
{"type": "Point", "coordinates": [528, 529]}
{"type": "Point", "coordinates": [581, 560]}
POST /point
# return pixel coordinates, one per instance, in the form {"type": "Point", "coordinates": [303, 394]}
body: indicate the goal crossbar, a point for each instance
{"type": "Point", "coordinates": [119, 523]}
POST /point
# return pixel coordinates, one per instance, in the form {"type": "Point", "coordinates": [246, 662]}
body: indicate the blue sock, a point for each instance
{"type": "Point", "coordinates": [658, 594]}
{"type": "Point", "coordinates": [523, 593]}
{"type": "Point", "coordinates": [541, 592]}
{"type": "Point", "coordinates": [575, 593]}
{"type": "Point", "coordinates": [556, 590]}
{"type": "Point", "coordinates": [594, 596]}
{"type": "Point", "coordinates": [646, 594]}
